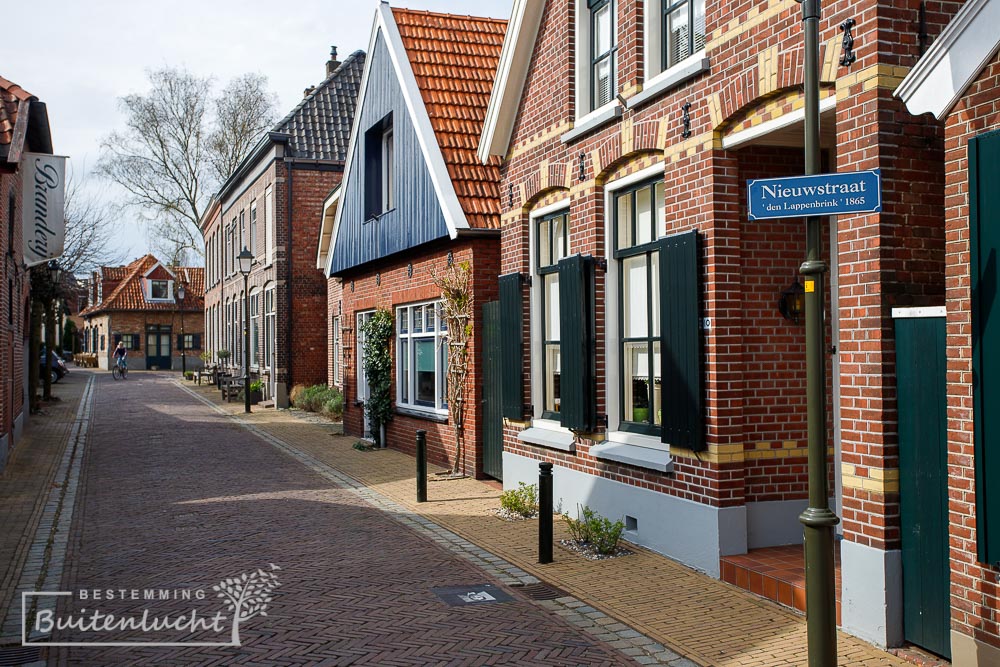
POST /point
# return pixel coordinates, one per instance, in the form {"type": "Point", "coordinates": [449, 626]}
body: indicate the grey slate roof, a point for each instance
{"type": "Point", "coordinates": [320, 125]}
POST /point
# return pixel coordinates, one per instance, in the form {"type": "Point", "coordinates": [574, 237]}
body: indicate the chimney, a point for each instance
{"type": "Point", "coordinates": [308, 91]}
{"type": "Point", "coordinates": [332, 63]}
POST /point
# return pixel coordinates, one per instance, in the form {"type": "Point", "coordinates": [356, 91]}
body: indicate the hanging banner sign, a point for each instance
{"type": "Point", "coordinates": [822, 194]}
{"type": "Point", "coordinates": [43, 202]}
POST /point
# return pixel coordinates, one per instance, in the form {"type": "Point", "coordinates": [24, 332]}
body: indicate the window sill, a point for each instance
{"type": "Point", "coordinates": [634, 455]}
{"type": "Point", "coordinates": [562, 439]}
{"type": "Point", "coordinates": [671, 78]}
{"type": "Point", "coordinates": [592, 121]}
{"type": "Point", "coordinates": [422, 414]}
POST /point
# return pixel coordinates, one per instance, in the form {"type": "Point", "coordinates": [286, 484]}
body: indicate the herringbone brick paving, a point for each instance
{"type": "Point", "coordinates": [28, 477]}
{"type": "Point", "coordinates": [175, 497]}
{"type": "Point", "coordinates": [698, 616]}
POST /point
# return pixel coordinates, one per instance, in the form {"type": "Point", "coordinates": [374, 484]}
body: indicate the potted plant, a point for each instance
{"type": "Point", "coordinates": [256, 391]}
{"type": "Point", "coordinates": [640, 400]}
{"type": "Point", "coordinates": [223, 355]}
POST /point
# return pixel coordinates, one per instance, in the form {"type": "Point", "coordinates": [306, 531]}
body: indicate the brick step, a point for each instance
{"type": "Point", "coordinates": [775, 573]}
{"type": "Point", "coordinates": [266, 404]}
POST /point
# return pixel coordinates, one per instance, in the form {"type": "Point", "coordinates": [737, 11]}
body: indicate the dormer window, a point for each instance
{"type": "Point", "coordinates": [159, 289]}
{"type": "Point", "coordinates": [379, 168]}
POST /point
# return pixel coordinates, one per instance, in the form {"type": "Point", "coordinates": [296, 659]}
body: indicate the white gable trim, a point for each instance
{"type": "Point", "coordinates": [953, 62]}
{"type": "Point", "coordinates": [330, 206]}
{"type": "Point", "coordinates": [512, 72]}
{"type": "Point", "coordinates": [155, 266]}
{"type": "Point", "coordinates": [451, 209]}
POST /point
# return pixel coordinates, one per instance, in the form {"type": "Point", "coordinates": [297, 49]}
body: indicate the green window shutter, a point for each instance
{"type": "Point", "coordinates": [135, 341]}
{"type": "Point", "coordinates": [683, 411]}
{"type": "Point", "coordinates": [512, 346]}
{"type": "Point", "coordinates": [578, 393]}
{"type": "Point", "coordinates": [118, 339]}
{"type": "Point", "coordinates": [180, 342]}
{"type": "Point", "coordinates": [984, 236]}
{"type": "Point", "coordinates": [196, 342]}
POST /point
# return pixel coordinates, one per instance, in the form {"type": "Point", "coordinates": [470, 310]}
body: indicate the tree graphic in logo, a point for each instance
{"type": "Point", "coordinates": [247, 596]}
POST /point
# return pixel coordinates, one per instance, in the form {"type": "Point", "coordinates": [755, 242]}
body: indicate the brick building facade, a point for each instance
{"type": "Point", "coordinates": [958, 80]}
{"type": "Point", "coordinates": [426, 205]}
{"type": "Point", "coordinates": [141, 306]}
{"type": "Point", "coordinates": [272, 206]}
{"type": "Point", "coordinates": [24, 126]}
{"type": "Point", "coordinates": [637, 128]}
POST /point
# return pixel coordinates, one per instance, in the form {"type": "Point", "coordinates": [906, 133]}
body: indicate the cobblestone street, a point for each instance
{"type": "Point", "coordinates": [175, 496]}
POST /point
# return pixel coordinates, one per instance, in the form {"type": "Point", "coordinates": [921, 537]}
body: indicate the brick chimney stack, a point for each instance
{"type": "Point", "coordinates": [332, 63]}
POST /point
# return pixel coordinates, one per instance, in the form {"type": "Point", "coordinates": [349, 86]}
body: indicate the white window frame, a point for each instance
{"type": "Point", "coordinates": [612, 354]}
{"type": "Point", "coordinates": [170, 291]}
{"type": "Point", "coordinates": [253, 228]}
{"type": "Point", "coordinates": [270, 232]}
{"type": "Point", "coordinates": [652, 52]}
{"type": "Point", "coordinates": [407, 338]}
{"type": "Point", "coordinates": [336, 354]}
{"type": "Point", "coordinates": [388, 151]}
{"type": "Point", "coordinates": [255, 320]}
{"type": "Point", "coordinates": [536, 316]}
{"type": "Point", "coordinates": [584, 67]}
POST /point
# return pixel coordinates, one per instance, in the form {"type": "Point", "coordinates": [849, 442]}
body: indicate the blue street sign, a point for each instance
{"type": "Point", "coordinates": [822, 194]}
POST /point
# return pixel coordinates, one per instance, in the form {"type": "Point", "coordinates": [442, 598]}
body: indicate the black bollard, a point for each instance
{"type": "Point", "coordinates": [545, 512]}
{"type": "Point", "coordinates": [421, 466]}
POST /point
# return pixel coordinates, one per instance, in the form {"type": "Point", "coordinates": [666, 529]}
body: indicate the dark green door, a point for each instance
{"type": "Point", "coordinates": [923, 480]}
{"type": "Point", "coordinates": [158, 347]}
{"type": "Point", "coordinates": [492, 401]}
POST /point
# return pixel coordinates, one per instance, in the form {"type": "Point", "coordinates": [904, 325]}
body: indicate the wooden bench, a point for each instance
{"type": "Point", "coordinates": [232, 387]}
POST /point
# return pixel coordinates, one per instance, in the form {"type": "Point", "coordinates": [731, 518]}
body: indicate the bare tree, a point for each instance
{"type": "Point", "coordinates": [90, 232]}
{"type": "Point", "coordinates": [243, 112]}
{"type": "Point", "coordinates": [167, 158]}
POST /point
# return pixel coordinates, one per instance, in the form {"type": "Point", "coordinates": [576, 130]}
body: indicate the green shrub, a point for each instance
{"type": "Point", "coordinates": [189, 375]}
{"type": "Point", "coordinates": [594, 529]}
{"type": "Point", "coordinates": [319, 398]}
{"type": "Point", "coordinates": [523, 500]}
{"type": "Point", "coordinates": [256, 385]}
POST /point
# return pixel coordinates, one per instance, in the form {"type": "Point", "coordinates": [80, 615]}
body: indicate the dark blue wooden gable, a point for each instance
{"type": "Point", "coordinates": [416, 217]}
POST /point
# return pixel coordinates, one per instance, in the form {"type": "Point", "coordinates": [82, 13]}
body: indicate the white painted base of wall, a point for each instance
{"type": "Point", "coordinates": [4, 448]}
{"type": "Point", "coordinates": [18, 428]}
{"type": "Point", "coordinates": [281, 395]}
{"type": "Point", "coordinates": [774, 523]}
{"type": "Point", "coordinates": [968, 651]}
{"type": "Point", "coordinates": [692, 533]}
{"type": "Point", "coordinates": [871, 596]}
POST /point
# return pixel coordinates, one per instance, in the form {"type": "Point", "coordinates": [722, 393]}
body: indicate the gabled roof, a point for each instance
{"type": "Point", "coordinates": [320, 125]}
{"type": "Point", "coordinates": [129, 294]}
{"type": "Point", "coordinates": [518, 48]}
{"type": "Point", "coordinates": [954, 61]}
{"type": "Point", "coordinates": [445, 65]}
{"type": "Point", "coordinates": [24, 123]}
{"type": "Point", "coordinates": [454, 60]}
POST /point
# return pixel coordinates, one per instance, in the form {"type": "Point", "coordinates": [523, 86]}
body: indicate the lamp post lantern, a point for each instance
{"type": "Point", "coordinates": [245, 259]}
{"type": "Point", "coordinates": [818, 520]}
{"type": "Point", "coordinates": [180, 297]}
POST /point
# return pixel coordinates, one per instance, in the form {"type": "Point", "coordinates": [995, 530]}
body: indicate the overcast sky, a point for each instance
{"type": "Point", "coordinates": [79, 57]}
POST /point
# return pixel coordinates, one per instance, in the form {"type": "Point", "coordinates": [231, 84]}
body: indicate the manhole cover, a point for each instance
{"type": "Point", "coordinates": [457, 596]}
{"type": "Point", "coordinates": [543, 592]}
{"type": "Point", "coordinates": [19, 655]}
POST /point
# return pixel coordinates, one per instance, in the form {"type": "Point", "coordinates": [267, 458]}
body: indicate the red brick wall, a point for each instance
{"type": "Point", "coordinates": [14, 324]}
{"type": "Point", "coordinates": [387, 285]}
{"type": "Point", "coordinates": [753, 363]}
{"type": "Point", "coordinates": [974, 586]}
{"type": "Point", "coordinates": [301, 294]}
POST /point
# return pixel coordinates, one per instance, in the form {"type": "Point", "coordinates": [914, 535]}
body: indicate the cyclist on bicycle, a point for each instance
{"type": "Point", "coordinates": [120, 354]}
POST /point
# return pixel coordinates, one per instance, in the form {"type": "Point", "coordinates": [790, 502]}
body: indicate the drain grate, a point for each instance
{"type": "Point", "coordinates": [19, 655]}
{"type": "Point", "coordinates": [543, 591]}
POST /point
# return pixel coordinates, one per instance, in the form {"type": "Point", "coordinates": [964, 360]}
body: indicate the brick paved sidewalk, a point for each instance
{"type": "Point", "coordinates": [698, 616]}
{"type": "Point", "coordinates": [28, 478]}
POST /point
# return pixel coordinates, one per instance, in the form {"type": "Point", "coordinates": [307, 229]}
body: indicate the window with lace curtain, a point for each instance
{"type": "Point", "coordinates": [682, 29]}
{"type": "Point", "coordinates": [602, 52]}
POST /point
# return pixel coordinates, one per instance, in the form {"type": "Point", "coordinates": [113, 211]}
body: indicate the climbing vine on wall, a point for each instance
{"type": "Point", "coordinates": [456, 312]}
{"type": "Point", "coordinates": [377, 361]}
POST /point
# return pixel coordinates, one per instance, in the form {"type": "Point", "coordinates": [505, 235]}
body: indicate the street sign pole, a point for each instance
{"type": "Point", "coordinates": [817, 518]}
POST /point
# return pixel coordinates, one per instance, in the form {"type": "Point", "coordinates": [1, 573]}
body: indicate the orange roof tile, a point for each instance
{"type": "Point", "coordinates": [454, 59]}
{"type": "Point", "coordinates": [11, 95]}
{"type": "Point", "coordinates": [129, 295]}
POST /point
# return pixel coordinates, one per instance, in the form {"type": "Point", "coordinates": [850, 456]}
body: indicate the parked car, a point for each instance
{"type": "Point", "coordinates": [57, 367]}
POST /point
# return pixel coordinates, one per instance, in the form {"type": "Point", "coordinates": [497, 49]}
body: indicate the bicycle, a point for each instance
{"type": "Point", "coordinates": [120, 371]}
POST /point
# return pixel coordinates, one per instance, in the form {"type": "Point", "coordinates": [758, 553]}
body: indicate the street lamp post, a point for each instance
{"type": "Point", "coordinates": [818, 520]}
{"type": "Point", "coordinates": [245, 259]}
{"type": "Point", "coordinates": [180, 296]}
